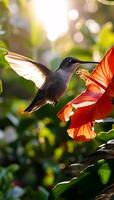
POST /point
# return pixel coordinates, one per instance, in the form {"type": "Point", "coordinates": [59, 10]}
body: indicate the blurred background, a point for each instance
{"type": "Point", "coordinates": [35, 150]}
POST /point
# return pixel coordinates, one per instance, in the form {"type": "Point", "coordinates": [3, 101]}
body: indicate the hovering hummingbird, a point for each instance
{"type": "Point", "coordinates": [52, 85]}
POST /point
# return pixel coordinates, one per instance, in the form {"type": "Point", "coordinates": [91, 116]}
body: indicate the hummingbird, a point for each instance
{"type": "Point", "coordinates": [51, 84]}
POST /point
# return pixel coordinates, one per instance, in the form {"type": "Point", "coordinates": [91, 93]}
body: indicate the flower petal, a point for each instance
{"type": "Point", "coordinates": [94, 103]}
{"type": "Point", "coordinates": [88, 97]}
{"type": "Point", "coordinates": [81, 122]}
{"type": "Point", "coordinates": [110, 89]}
{"type": "Point", "coordinates": [82, 116]}
{"type": "Point", "coordinates": [65, 112]}
{"type": "Point", "coordinates": [99, 110]}
{"type": "Point", "coordinates": [83, 133]}
{"type": "Point", "coordinates": [104, 71]}
{"type": "Point", "coordinates": [102, 108]}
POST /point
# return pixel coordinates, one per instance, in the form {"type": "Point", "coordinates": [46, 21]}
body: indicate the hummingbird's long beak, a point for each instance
{"type": "Point", "coordinates": [78, 62]}
{"type": "Point", "coordinates": [87, 62]}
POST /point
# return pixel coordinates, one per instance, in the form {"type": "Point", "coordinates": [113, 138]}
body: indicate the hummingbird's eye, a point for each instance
{"type": "Point", "coordinates": [70, 60]}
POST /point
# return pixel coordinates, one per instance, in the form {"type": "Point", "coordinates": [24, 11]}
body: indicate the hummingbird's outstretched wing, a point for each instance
{"type": "Point", "coordinates": [28, 68]}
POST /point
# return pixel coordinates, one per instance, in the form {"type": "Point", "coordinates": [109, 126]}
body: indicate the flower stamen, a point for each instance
{"type": "Point", "coordinates": [86, 76]}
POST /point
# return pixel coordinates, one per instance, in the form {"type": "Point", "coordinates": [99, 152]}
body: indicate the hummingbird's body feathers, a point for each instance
{"type": "Point", "coordinates": [50, 92]}
{"type": "Point", "coordinates": [28, 68]}
{"type": "Point", "coordinates": [52, 85]}
{"type": "Point", "coordinates": [57, 85]}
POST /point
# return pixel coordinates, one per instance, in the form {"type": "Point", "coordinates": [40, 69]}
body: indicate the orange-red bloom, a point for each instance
{"type": "Point", "coordinates": [94, 103]}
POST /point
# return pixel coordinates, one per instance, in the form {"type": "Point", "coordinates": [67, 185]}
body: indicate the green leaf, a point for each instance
{"type": "Point", "coordinates": [13, 168]}
{"type": "Point", "coordinates": [37, 33]}
{"type": "Point", "coordinates": [6, 3]}
{"type": "Point", "coordinates": [103, 137]}
{"type": "Point", "coordinates": [3, 50]}
{"type": "Point", "coordinates": [1, 88]}
{"type": "Point", "coordinates": [3, 47]}
{"type": "Point", "coordinates": [107, 2]}
{"type": "Point", "coordinates": [104, 173]}
{"type": "Point", "coordinates": [84, 187]}
{"type": "Point", "coordinates": [61, 187]}
{"type": "Point", "coordinates": [80, 53]}
{"type": "Point", "coordinates": [40, 194]}
{"type": "Point", "coordinates": [106, 32]}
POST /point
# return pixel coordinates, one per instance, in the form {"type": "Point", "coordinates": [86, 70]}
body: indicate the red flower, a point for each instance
{"type": "Point", "coordinates": [94, 103]}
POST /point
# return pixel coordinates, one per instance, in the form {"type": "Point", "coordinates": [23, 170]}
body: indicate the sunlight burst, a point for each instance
{"type": "Point", "coordinates": [53, 16]}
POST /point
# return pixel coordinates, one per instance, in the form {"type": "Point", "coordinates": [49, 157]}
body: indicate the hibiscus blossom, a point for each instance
{"type": "Point", "coordinates": [94, 103]}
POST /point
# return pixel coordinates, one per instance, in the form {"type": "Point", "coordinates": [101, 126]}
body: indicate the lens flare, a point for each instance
{"type": "Point", "coordinates": [53, 16]}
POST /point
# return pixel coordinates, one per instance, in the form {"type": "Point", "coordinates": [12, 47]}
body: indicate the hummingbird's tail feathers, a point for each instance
{"type": "Point", "coordinates": [31, 108]}
{"type": "Point", "coordinates": [37, 102]}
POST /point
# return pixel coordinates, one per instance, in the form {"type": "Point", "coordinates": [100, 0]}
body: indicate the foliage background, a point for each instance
{"type": "Point", "coordinates": [35, 150]}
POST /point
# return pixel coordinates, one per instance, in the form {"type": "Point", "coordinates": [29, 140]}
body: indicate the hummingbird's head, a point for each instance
{"type": "Point", "coordinates": [68, 62]}
{"type": "Point", "coordinates": [71, 63]}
